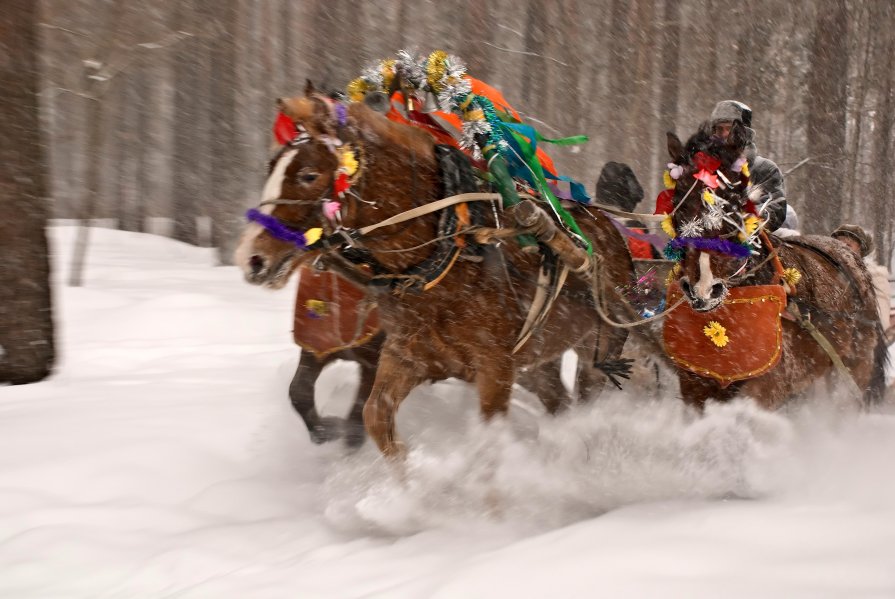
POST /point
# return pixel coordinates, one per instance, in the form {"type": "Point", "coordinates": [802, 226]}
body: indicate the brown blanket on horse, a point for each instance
{"type": "Point", "coordinates": [331, 314]}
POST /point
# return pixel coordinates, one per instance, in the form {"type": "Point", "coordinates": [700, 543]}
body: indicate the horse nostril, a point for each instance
{"type": "Point", "coordinates": [685, 287]}
{"type": "Point", "coordinates": [717, 290]}
{"type": "Point", "coordinates": [256, 264]}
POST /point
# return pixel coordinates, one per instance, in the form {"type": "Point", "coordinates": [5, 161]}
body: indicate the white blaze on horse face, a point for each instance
{"type": "Point", "coordinates": [703, 287]}
{"type": "Point", "coordinates": [273, 189]}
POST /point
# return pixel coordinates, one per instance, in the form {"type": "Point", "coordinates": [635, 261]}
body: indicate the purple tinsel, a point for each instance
{"type": "Point", "coordinates": [278, 229]}
{"type": "Point", "coordinates": [712, 244]}
{"type": "Point", "coordinates": [341, 114]}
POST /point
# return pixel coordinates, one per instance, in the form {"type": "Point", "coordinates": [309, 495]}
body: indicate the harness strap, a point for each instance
{"type": "Point", "coordinates": [775, 259]}
{"type": "Point", "coordinates": [805, 322]}
{"type": "Point", "coordinates": [430, 208]}
{"type": "Point", "coordinates": [550, 283]}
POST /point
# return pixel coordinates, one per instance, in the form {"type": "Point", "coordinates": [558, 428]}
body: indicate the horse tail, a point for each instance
{"type": "Point", "coordinates": [876, 388]}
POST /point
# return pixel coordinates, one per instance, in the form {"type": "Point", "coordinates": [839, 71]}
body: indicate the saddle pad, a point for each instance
{"type": "Point", "coordinates": [750, 317]}
{"type": "Point", "coordinates": [331, 314]}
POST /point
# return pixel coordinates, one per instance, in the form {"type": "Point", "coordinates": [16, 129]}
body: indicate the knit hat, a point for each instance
{"type": "Point", "coordinates": [731, 110]}
{"type": "Point", "coordinates": [618, 186]}
{"type": "Point", "coordinates": [864, 239]}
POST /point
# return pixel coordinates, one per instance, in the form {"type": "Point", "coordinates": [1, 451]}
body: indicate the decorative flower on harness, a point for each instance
{"type": "Point", "coordinates": [717, 333]}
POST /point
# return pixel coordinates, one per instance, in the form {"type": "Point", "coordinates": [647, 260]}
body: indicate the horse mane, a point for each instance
{"type": "Point", "coordinates": [390, 132]}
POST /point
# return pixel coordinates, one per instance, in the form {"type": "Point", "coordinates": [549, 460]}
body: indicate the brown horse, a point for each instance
{"type": "Point", "coordinates": [545, 381]}
{"type": "Point", "coordinates": [466, 324]}
{"type": "Point", "coordinates": [723, 252]}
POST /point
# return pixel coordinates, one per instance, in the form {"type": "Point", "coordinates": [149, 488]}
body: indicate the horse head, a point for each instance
{"type": "Point", "coordinates": [347, 167]}
{"type": "Point", "coordinates": [714, 223]}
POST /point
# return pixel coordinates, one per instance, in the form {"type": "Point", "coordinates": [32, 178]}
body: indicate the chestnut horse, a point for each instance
{"type": "Point", "coordinates": [544, 381]}
{"type": "Point", "coordinates": [721, 248]}
{"type": "Point", "coordinates": [466, 323]}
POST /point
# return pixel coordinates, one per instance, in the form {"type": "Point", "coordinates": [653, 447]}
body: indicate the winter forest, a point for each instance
{"type": "Point", "coordinates": [213, 303]}
{"type": "Point", "coordinates": [186, 90]}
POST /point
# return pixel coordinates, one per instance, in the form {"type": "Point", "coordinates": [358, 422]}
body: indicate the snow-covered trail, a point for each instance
{"type": "Point", "coordinates": [163, 460]}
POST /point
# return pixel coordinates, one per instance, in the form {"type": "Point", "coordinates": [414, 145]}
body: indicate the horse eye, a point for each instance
{"type": "Point", "coordinates": [307, 176]}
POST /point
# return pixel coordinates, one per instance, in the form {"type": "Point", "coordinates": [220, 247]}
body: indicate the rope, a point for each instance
{"type": "Point", "coordinates": [825, 344]}
{"type": "Point", "coordinates": [643, 217]}
{"type": "Point", "coordinates": [596, 290]}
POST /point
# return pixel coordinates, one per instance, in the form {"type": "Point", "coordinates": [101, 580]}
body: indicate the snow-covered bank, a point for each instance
{"type": "Point", "coordinates": [163, 460]}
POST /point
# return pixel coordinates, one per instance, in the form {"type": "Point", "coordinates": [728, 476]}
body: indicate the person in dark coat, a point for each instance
{"type": "Point", "coordinates": [618, 186]}
{"type": "Point", "coordinates": [764, 172]}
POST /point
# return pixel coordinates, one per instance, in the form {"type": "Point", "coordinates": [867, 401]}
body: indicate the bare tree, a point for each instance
{"type": "Point", "coordinates": [827, 116]}
{"type": "Point", "coordinates": [27, 349]}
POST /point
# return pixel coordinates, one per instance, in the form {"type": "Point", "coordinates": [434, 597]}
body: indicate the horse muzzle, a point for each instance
{"type": "Point", "coordinates": [260, 270]}
{"type": "Point", "coordinates": [702, 301]}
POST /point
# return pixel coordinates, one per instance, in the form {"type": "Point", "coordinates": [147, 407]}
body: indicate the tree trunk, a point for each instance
{"type": "Point", "coordinates": [827, 81]}
{"type": "Point", "coordinates": [227, 184]}
{"type": "Point", "coordinates": [27, 349]}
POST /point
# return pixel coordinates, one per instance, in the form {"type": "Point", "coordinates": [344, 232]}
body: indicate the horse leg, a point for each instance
{"type": "Point", "coordinates": [395, 379]}
{"type": "Point", "coordinates": [354, 427]}
{"type": "Point", "coordinates": [301, 393]}
{"type": "Point", "coordinates": [607, 365]}
{"type": "Point", "coordinates": [696, 390]}
{"type": "Point", "coordinates": [545, 381]}
{"type": "Point", "coordinates": [495, 384]}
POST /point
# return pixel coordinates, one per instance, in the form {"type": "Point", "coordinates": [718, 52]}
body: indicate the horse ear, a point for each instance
{"type": "Point", "coordinates": [310, 90]}
{"type": "Point", "coordinates": [675, 147]}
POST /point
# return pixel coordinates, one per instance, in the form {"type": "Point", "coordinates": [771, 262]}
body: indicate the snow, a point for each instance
{"type": "Point", "coordinates": [163, 460]}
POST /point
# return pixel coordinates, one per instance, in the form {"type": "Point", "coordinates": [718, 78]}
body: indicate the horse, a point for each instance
{"type": "Point", "coordinates": [766, 306]}
{"type": "Point", "coordinates": [544, 381]}
{"type": "Point", "coordinates": [464, 323]}
{"type": "Point", "coordinates": [333, 322]}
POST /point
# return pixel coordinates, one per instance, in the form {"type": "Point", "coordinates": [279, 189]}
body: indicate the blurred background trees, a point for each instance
{"type": "Point", "coordinates": [186, 90]}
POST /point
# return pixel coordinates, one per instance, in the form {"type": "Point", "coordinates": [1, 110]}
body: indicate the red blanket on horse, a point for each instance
{"type": "Point", "coordinates": [741, 339]}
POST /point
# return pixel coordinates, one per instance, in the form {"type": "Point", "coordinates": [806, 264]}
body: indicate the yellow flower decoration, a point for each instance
{"type": "Point", "coordinates": [668, 227]}
{"type": "Point", "coordinates": [673, 273]}
{"type": "Point", "coordinates": [356, 89]}
{"type": "Point", "coordinates": [348, 161]}
{"type": "Point", "coordinates": [717, 333]}
{"type": "Point", "coordinates": [387, 68]}
{"type": "Point", "coordinates": [312, 235]}
{"type": "Point", "coordinates": [474, 115]}
{"type": "Point", "coordinates": [317, 307]}
{"type": "Point", "coordinates": [745, 169]}
{"type": "Point", "coordinates": [667, 180]}
{"type": "Point", "coordinates": [708, 197]}
{"type": "Point", "coordinates": [436, 67]}
{"type": "Point", "coordinates": [792, 276]}
{"type": "Point", "coordinates": [750, 224]}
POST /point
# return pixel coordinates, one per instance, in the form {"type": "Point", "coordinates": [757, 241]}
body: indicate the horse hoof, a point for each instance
{"type": "Point", "coordinates": [355, 435]}
{"type": "Point", "coordinates": [326, 430]}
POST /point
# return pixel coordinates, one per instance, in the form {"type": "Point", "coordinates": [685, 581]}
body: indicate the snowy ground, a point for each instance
{"type": "Point", "coordinates": [162, 460]}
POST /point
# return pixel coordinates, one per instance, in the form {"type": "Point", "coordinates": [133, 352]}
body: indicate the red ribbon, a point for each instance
{"type": "Point", "coordinates": [341, 184]}
{"type": "Point", "coordinates": [704, 162]}
{"type": "Point", "coordinates": [284, 129]}
{"type": "Point", "coordinates": [664, 202]}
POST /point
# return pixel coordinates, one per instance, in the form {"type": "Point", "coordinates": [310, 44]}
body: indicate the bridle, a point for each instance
{"type": "Point", "coordinates": [344, 247]}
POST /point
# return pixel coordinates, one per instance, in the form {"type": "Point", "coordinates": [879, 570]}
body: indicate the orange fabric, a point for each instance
{"type": "Point", "coordinates": [751, 316]}
{"type": "Point", "coordinates": [327, 313]}
{"type": "Point", "coordinates": [479, 88]}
